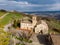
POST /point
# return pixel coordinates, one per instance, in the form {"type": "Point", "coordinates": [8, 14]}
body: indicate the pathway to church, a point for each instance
{"type": "Point", "coordinates": [4, 16]}
{"type": "Point", "coordinates": [37, 40]}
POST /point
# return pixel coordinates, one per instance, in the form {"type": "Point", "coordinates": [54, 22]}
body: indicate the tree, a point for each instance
{"type": "Point", "coordinates": [4, 37]}
{"type": "Point", "coordinates": [2, 10]}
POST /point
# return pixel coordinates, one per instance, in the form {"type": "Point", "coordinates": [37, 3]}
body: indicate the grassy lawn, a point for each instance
{"type": "Point", "coordinates": [8, 18]}
{"type": "Point", "coordinates": [2, 13]}
{"type": "Point", "coordinates": [55, 24]}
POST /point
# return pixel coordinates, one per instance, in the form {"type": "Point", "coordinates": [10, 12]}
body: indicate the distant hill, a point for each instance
{"type": "Point", "coordinates": [55, 14]}
{"type": "Point", "coordinates": [2, 10]}
{"type": "Point", "coordinates": [43, 12]}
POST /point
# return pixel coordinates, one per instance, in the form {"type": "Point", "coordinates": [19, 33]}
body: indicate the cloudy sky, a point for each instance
{"type": "Point", "coordinates": [30, 5]}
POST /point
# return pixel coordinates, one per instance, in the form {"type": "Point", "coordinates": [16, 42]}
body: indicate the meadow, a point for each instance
{"type": "Point", "coordinates": [2, 13]}
{"type": "Point", "coordinates": [8, 18]}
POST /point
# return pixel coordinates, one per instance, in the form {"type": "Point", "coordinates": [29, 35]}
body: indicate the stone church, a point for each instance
{"type": "Point", "coordinates": [35, 25]}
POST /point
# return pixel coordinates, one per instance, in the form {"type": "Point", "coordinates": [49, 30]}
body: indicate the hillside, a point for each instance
{"type": "Point", "coordinates": [2, 13]}
{"type": "Point", "coordinates": [9, 17]}
{"type": "Point", "coordinates": [54, 25]}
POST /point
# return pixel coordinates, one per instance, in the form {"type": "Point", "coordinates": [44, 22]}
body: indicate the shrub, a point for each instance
{"type": "Point", "coordinates": [30, 41]}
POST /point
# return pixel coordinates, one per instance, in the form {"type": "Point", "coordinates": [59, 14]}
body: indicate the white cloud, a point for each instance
{"type": "Point", "coordinates": [3, 4]}
{"type": "Point", "coordinates": [14, 2]}
{"type": "Point", "coordinates": [24, 5]}
{"type": "Point", "coordinates": [19, 3]}
{"type": "Point", "coordinates": [55, 6]}
{"type": "Point", "coordinates": [3, 0]}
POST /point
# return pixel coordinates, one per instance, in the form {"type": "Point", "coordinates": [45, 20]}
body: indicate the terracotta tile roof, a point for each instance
{"type": "Point", "coordinates": [24, 29]}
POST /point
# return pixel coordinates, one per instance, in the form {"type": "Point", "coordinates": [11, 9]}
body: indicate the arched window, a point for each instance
{"type": "Point", "coordinates": [41, 32]}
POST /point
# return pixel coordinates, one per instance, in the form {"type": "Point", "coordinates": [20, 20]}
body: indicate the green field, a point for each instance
{"type": "Point", "coordinates": [2, 13]}
{"type": "Point", "coordinates": [9, 17]}
{"type": "Point", "coordinates": [54, 26]}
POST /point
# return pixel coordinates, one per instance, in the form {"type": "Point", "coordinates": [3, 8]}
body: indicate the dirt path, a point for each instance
{"type": "Point", "coordinates": [6, 26]}
{"type": "Point", "coordinates": [4, 15]}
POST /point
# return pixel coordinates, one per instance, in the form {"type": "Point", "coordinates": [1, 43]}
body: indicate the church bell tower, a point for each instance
{"type": "Point", "coordinates": [34, 20]}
